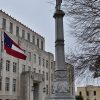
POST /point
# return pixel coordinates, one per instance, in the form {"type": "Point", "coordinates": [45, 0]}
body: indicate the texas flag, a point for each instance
{"type": "Point", "coordinates": [12, 48]}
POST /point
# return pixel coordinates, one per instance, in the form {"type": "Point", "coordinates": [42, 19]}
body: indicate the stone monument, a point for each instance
{"type": "Point", "coordinates": [60, 86]}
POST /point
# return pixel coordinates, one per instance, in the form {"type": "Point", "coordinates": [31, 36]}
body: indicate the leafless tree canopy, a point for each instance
{"type": "Point", "coordinates": [85, 16]}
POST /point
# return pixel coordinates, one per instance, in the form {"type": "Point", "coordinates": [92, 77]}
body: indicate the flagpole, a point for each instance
{"type": "Point", "coordinates": [18, 74]}
{"type": "Point", "coordinates": [1, 50]}
{"type": "Point", "coordinates": [0, 54]}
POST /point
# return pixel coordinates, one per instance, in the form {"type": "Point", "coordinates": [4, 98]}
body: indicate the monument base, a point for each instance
{"type": "Point", "coordinates": [62, 98]}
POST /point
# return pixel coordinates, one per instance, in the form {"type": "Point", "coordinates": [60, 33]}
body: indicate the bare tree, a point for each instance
{"type": "Point", "coordinates": [85, 15]}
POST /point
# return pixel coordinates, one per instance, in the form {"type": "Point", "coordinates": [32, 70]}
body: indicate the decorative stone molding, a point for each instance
{"type": "Point", "coordinates": [60, 74]}
{"type": "Point", "coordinates": [60, 87]}
{"type": "Point", "coordinates": [37, 77]}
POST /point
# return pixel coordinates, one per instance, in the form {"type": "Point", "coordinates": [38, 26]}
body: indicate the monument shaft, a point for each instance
{"type": "Point", "coordinates": [61, 88]}
{"type": "Point", "coordinates": [59, 41]}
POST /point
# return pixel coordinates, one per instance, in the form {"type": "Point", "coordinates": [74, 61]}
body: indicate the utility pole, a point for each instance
{"type": "Point", "coordinates": [60, 86]}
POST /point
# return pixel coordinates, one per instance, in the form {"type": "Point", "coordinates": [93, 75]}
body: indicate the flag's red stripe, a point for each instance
{"type": "Point", "coordinates": [14, 53]}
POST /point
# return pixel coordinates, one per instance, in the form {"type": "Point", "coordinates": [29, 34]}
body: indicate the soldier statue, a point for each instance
{"type": "Point", "coordinates": [58, 4]}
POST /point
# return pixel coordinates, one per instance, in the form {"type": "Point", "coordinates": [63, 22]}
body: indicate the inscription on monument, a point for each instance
{"type": "Point", "coordinates": [60, 74]}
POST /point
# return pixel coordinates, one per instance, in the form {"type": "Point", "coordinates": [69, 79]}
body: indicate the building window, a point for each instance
{"type": "Point", "coordinates": [0, 84]}
{"type": "Point", "coordinates": [14, 66]}
{"type": "Point", "coordinates": [43, 62]}
{"type": "Point", "coordinates": [42, 45]}
{"type": "Point", "coordinates": [17, 31]}
{"type": "Point", "coordinates": [51, 77]}
{"type": "Point", "coordinates": [94, 93]}
{"type": "Point", "coordinates": [46, 63]}
{"type": "Point", "coordinates": [14, 85]}
{"type": "Point", "coordinates": [29, 68]}
{"type": "Point", "coordinates": [80, 93]}
{"type": "Point", "coordinates": [87, 93]}
{"type": "Point", "coordinates": [38, 42]}
{"type": "Point", "coordinates": [11, 28]}
{"type": "Point", "coordinates": [4, 23]}
{"type": "Point", "coordinates": [7, 84]}
{"type": "Point", "coordinates": [23, 33]}
{"type": "Point", "coordinates": [72, 90]}
{"type": "Point", "coordinates": [28, 36]}
{"type": "Point", "coordinates": [33, 40]}
{"type": "Point", "coordinates": [39, 71]}
{"type": "Point", "coordinates": [34, 58]}
{"type": "Point", "coordinates": [51, 65]}
{"type": "Point", "coordinates": [23, 68]}
{"type": "Point", "coordinates": [52, 89]}
{"type": "Point", "coordinates": [34, 70]}
{"type": "Point", "coordinates": [7, 65]}
{"type": "Point", "coordinates": [1, 64]}
{"type": "Point", "coordinates": [43, 72]}
{"type": "Point", "coordinates": [46, 89]}
{"type": "Point", "coordinates": [39, 60]}
{"type": "Point", "coordinates": [46, 76]}
{"type": "Point", "coordinates": [29, 56]}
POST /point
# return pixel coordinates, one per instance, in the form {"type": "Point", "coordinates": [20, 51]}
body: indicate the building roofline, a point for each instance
{"type": "Point", "coordinates": [87, 86]}
{"type": "Point", "coordinates": [20, 23]}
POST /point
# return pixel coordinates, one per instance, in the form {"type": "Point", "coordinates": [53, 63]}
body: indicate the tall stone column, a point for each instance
{"type": "Point", "coordinates": [60, 87]}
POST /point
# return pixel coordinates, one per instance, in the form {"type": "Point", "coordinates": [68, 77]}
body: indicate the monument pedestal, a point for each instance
{"type": "Point", "coordinates": [61, 89]}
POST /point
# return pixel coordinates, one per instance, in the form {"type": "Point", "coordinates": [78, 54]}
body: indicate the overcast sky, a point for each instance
{"type": "Point", "coordinates": [38, 15]}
